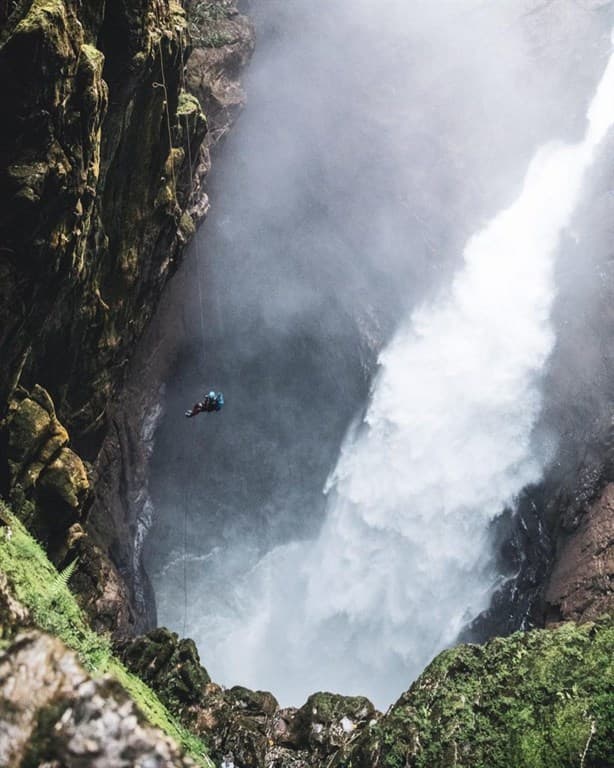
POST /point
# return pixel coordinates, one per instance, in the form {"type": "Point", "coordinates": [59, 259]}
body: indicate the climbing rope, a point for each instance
{"type": "Point", "coordinates": [164, 87]}
{"type": "Point", "coordinates": [199, 262]}
{"type": "Point", "coordinates": [185, 562]}
{"type": "Point", "coordinates": [174, 179]}
{"type": "Point", "coordinates": [168, 116]}
{"type": "Point", "coordinates": [185, 504]}
{"type": "Point", "coordinates": [190, 199]}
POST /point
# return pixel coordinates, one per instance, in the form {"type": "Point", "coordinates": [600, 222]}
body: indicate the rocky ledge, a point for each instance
{"type": "Point", "coordinates": [54, 713]}
{"type": "Point", "coordinates": [541, 698]}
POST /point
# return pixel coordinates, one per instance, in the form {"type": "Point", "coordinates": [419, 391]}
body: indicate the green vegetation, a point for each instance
{"type": "Point", "coordinates": [206, 24]}
{"type": "Point", "coordinates": [541, 699]}
{"type": "Point", "coordinates": [44, 591]}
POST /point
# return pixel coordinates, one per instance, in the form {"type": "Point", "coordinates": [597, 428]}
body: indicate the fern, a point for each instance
{"type": "Point", "coordinates": [65, 575]}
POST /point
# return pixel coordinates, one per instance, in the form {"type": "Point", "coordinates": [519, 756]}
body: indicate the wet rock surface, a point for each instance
{"type": "Point", "coordinates": [581, 586]}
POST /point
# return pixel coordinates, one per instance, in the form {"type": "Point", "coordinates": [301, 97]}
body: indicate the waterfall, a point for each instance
{"type": "Point", "coordinates": [403, 559]}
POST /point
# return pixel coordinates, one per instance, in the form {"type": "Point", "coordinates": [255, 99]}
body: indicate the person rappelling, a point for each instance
{"type": "Point", "coordinates": [213, 401]}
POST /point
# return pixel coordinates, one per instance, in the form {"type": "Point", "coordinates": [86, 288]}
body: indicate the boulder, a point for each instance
{"type": "Point", "coordinates": [170, 666]}
{"type": "Point", "coordinates": [53, 713]}
{"type": "Point", "coordinates": [326, 722]}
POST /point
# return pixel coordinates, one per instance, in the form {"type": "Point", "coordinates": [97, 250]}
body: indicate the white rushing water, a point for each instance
{"type": "Point", "coordinates": [403, 560]}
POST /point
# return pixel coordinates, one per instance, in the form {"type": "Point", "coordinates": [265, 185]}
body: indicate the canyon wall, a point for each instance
{"type": "Point", "coordinates": [110, 111]}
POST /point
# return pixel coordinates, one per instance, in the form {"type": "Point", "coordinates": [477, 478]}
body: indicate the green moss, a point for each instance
{"type": "Point", "coordinates": [170, 666]}
{"type": "Point", "coordinates": [533, 700]}
{"type": "Point", "coordinates": [186, 227]}
{"type": "Point", "coordinates": [66, 478]}
{"type": "Point", "coordinates": [30, 424]}
{"type": "Point", "coordinates": [44, 591]}
{"type": "Point", "coordinates": [156, 712]}
{"type": "Point", "coordinates": [188, 104]}
{"type": "Point", "coordinates": [329, 707]}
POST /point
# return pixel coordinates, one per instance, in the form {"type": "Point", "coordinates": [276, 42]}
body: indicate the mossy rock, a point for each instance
{"type": "Point", "coordinates": [30, 425]}
{"type": "Point", "coordinates": [170, 666]}
{"type": "Point", "coordinates": [66, 479]}
{"type": "Point", "coordinates": [255, 703]}
{"type": "Point", "coordinates": [327, 721]}
{"type": "Point", "coordinates": [186, 228]}
{"type": "Point", "coordinates": [541, 699]}
{"type": "Point", "coordinates": [43, 470]}
{"type": "Point", "coordinates": [36, 584]}
{"type": "Point", "coordinates": [97, 585]}
{"type": "Point", "coordinates": [246, 742]}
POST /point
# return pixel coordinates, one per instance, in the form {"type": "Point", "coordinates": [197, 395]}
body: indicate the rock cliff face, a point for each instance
{"type": "Point", "coordinates": [102, 175]}
{"type": "Point", "coordinates": [581, 584]}
{"type": "Point", "coordinates": [54, 712]}
{"type": "Point", "coordinates": [95, 179]}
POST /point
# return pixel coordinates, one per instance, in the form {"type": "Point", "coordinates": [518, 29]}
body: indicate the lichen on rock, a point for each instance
{"type": "Point", "coordinates": [42, 468]}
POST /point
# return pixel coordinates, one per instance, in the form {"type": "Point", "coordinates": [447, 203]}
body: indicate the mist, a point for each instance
{"type": "Point", "coordinates": [378, 279]}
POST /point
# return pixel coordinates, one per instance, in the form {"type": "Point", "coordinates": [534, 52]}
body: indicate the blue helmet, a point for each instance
{"type": "Point", "coordinates": [212, 395]}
